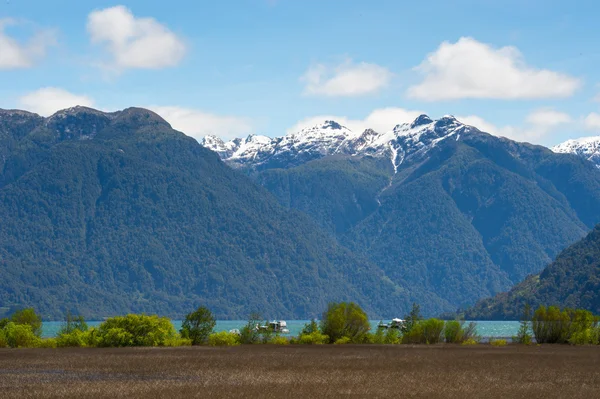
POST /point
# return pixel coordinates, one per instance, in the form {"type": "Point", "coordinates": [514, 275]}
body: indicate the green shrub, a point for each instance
{"type": "Point", "coordinates": [3, 339]}
{"type": "Point", "coordinates": [342, 341]}
{"type": "Point", "coordinates": [178, 340]}
{"type": "Point", "coordinates": [278, 340]}
{"type": "Point", "coordinates": [553, 326]}
{"type": "Point", "coordinates": [316, 338]}
{"type": "Point", "coordinates": [470, 341]}
{"type": "Point", "coordinates": [73, 323]}
{"type": "Point", "coordinates": [198, 325]}
{"type": "Point", "coordinates": [345, 319]}
{"type": "Point", "coordinates": [453, 332]}
{"type": "Point", "coordinates": [424, 332]}
{"type": "Point", "coordinates": [378, 337]}
{"type": "Point", "coordinates": [48, 343]}
{"type": "Point", "coordinates": [115, 338]}
{"type": "Point", "coordinates": [310, 328]}
{"type": "Point", "coordinates": [498, 342]}
{"type": "Point", "coordinates": [456, 332]}
{"type": "Point", "coordinates": [550, 325]}
{"type": "Point", "coordinates": [250, 334]}
{"type": "Point", "coordinates": [411, 319]}
{"type": "Point", "coordinates": [30, 318]}
{"type": "Point", "coordinates": [223, 338]}
{"type": "Point", "coordinates": [77, 339]}
{"type": "Point", "coordinates": [135, 330]}
{"type": "Point", "coordinates": [21, 336]}
{"type": "Point", "coordinates": [523, 335]}
{"type": "Point", "coordinates": [392, 336]}
{"type": "Point", "coordinates": [590, 336]}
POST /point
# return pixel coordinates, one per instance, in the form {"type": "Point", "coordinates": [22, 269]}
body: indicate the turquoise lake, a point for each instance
{"type": "Point", "coordinates": [487, 329]}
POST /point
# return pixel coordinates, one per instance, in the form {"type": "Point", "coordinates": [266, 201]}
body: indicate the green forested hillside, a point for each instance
{"type": "Point", "coordinates": [470, 219]}
{"type": "Point", "coordinates": [572, 280]}
{"type": "Point", "coordinates": [125, 214]}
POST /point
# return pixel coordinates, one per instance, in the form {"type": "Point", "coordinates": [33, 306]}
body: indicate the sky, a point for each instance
{"type": "Point", "coordinates": [527, 70]}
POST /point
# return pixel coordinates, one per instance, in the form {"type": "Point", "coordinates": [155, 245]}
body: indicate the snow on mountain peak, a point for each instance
{"type": "Point", "coordinates": [421, 120]}
{"type": "Point", "coordinates": [330, 138]}
{"type": "Point", "coordinates": [585, 147]}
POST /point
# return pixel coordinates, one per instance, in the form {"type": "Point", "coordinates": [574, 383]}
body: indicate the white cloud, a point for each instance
{"type": "Point", "coordinates": [134, 42]}
{"type": "Point", "coordinates": [547, 118]}
{"type": "Point", "coordinates": [197, 123]}
{"type": "Point", "coordinates": [345, 80]}
{"type": "Point", "coordinates": [48, 100]}
{"type": "Point", "coordinates": [23, 55]}
{"type": "Point", "coordinates": [592, 121]}
{"type": "Point", "coordinates": [471, 69]}
{"type": "Point", "coordinates": [380, 120]}
{"type": "Point", "coordinates": [479, 123]}
{"type": "Point", "coordinates": [538, 125]}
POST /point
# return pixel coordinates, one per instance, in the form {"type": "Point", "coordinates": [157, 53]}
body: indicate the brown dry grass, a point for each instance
{"type": "Point", "coordinates": [303, 371]}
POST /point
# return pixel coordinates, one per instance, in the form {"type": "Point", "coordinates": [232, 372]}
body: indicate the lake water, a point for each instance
{"type": "Point", "coordinates": [487, 329]}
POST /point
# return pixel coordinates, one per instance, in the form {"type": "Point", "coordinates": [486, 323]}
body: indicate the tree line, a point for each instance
{"type": "Point", "coordinates": [341, 323]}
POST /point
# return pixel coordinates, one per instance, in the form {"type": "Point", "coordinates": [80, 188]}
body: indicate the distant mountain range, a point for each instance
{"type": "Point", "coordinates": [572, 280]}
{"type": "Point", "coordinates": [448, 212]}
{"type": "Point", "coordinates": [107, 213]}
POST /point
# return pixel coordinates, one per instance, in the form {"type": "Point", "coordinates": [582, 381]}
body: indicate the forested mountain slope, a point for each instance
{"type": "Point", "coordinates": [572, 280]}
{"type": "Point", "coordinates": [105, 214]}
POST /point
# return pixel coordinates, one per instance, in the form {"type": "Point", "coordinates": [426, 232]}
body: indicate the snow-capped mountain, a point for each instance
{"type": "Point", "coordinates": [405, 141]}
{"type": "Point", "coordinates": [585, 147]}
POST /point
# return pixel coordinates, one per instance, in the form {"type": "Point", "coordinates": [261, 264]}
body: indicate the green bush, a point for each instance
{"type": "Point", "coordinates": [76, 338]}
{"type": "Point", "coordinates": [378, 337]}
{"type": "Point", "coordinates": [392, 336]}
{"type": "Point", "coordinates": [470, 341]}
{"type": "Point", "coordinates": [342, 341]}
{"type": "Point", "coordinates": [315, 338]}
{"type": "Point", "coordinates": [411, 319]}
{"type": "Point", "coordinates": [590, 336]}
{"type": "Point", "coordinates": [21, 336]}
{"type": "Point", "coordinates": [453, 332]}
{"type": "Point", "coordinates": [498, 342]}
{"type": "Point", "coordinates": [249, 334]}
{"type": "Point", "coordinates": [48, 343]}
{"type": "Point", "coordinates": [456, 332]}
{"type": "Point", "coordinates": [198, 325]}
{"type": "Point", "coordinates": [553, 326]}
{"type": "Point", "coordinates": [73, 323]}
{"type": "Point", "coordinates": [223, 338]}
{"type": "Point", "coordinates": [178, 340]}
{"type": "Point", "coordinates": [135, 330]}
{"type": "Point", "coordinates": [278, 340]}
{"type": "Point", "coordinates": [345, 319]}
{"type": "Point", "coordinates": [550, 325]}
{"type": "Point", "coordinates": [424, 332]}
{"type": "Point", "coordinates": [30, 318]}
{"type": "Point", "coordinates": [3, 339]}
{"type": "Point", "coordinates": [310, 328]}
{"type": "Point", "coordinates": [523, 335]}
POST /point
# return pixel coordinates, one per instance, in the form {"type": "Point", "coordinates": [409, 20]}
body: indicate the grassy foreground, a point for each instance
{"type": "Point", "coordinates": [266, 371]}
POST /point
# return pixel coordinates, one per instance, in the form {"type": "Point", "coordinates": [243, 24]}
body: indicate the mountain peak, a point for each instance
{"type": "Point", "coordinates": [585, 147]}
{"type": "Point", "coordinates": [421, 120]}
{"type": "Point", "coordinates": [332, 125]}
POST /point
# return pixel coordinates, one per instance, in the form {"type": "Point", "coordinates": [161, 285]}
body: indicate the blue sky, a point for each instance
{"type": "Point", "coordinates": [522, 69]}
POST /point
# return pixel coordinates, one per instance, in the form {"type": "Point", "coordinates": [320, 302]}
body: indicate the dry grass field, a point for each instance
{"type": "Point", "coordinates": [303, 372]}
